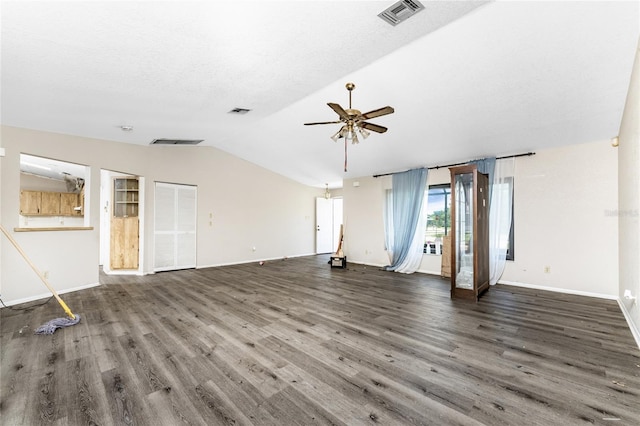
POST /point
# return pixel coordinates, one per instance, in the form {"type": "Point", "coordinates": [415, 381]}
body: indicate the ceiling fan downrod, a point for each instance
{"type": "Point", "coordinates": [350, 87]}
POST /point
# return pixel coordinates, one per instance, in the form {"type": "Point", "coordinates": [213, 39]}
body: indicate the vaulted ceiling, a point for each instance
{"type": "Point", "coordinates": [467, 79]}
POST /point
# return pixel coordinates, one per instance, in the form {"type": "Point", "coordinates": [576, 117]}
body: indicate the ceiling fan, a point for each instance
{"type": "Point", "coordinates": [354, 122]}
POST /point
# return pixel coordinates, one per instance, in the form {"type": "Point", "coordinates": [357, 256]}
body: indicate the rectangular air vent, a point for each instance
{"type": "Point", "coordinates": [176, 141]}
{"type": "Point", "coordinates": [239, 111]}
{"type": "Point", "coordinates": [401, 11]}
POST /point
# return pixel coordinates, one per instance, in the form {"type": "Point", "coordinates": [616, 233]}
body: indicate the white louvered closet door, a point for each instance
{"type": "Point", "coordinates": [175, 227]}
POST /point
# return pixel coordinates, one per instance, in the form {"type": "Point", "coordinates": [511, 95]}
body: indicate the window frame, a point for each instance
{"type": "Point", "coordinates": [510, 251]}
{"type": "Point", "coordinates": [447, 210]}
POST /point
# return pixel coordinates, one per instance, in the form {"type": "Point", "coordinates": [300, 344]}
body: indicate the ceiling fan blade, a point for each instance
{"type": "Point", "coordinates": [378, 112]}
{"type": "Point", "coordinates": [322, 122]}
{"type": "Point", "coordinates": [339, 110]}
{"type": "Point", "coordinates": [373, 127]}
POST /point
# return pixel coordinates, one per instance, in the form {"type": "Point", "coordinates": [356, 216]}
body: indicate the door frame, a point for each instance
{"type": "Point", "coordinates": [324, 225]}
{"type": "Point", "coordinates": [106, 199]}
{"type": "Point", "coordinates": [175, 232]}
{"type": "Point", "coordinates": [329, 217]}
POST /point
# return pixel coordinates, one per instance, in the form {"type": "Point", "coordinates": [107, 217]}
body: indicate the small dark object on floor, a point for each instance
{"type": "Point", "coordinates": [338, 262]}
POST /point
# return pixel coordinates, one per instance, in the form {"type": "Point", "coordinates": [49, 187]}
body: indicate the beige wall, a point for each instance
{"type": "Point", "coordinates": [563, 200]}
{"type": "Point", "coordinates": [563, 204]}
{"type": "Point", "coordinates": [251, 207]}
{"type": "Point", "coordinates": [629, 194]}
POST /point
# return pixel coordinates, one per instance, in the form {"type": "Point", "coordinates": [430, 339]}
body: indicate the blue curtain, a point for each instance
{"type": "Point", "coordinates": [408, 194]}
{"type": "Point", "coordinates": [486, 166]}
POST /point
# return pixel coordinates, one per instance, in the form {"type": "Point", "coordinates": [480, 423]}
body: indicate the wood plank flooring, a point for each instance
{"type": "Point", "coordinates": [295, 342]}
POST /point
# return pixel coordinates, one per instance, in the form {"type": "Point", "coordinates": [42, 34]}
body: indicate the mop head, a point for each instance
{"type": "Point", "coordinates": [56, 323]}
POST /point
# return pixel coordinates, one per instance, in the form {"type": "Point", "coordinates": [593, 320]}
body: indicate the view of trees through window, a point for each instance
{"type": "Point", "coordinates": [438, 217]}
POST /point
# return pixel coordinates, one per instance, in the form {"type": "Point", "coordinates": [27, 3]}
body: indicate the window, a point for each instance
{"type": "Point", "coordinates": [506, 243]}
{"type": "Point", "coordinates": [438, 217]}
{"type": "Point", "coordinates": [438, 212]}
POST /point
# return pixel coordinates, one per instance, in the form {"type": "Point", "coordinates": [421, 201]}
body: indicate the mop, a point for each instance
{"type": "Point", "coordinates": [51, 326]}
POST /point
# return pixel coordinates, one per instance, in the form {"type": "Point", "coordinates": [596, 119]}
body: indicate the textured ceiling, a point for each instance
{"type": "Point", "coordinates": [466, 79]}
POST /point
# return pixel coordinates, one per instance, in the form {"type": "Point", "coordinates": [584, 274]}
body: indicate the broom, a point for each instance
{"type": "Point", "coordinates": [51, 326]}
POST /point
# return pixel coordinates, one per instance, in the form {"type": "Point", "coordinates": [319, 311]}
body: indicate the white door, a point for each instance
{"type": "Point", "coordinates": [337, 222]}
{"type": "Point", "coordinates": [324, 225]}
{"type": "Point", "coordinates": [174, 227]}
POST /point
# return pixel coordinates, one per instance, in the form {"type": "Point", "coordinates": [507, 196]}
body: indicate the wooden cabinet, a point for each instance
{"type": "Point", "coordinates": [30, 202]}
{"type": "Point", "coordinates": [125, 224]}
{"type": "Point", "coordinates": [50, 204]}
{"type": "Point", "coordinates": [124, 242]}
{"type": "Point", "coordinates": [125, 197]}
{"type": "Point", "coordinates": [69, 202]}
{"type": "Point", "coordinates": [42, 203]}
{"type": "Point", "coordinates": [470, 232]}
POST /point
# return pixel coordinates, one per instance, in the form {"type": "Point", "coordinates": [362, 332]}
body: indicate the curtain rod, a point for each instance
{"type": "Point", "coordinates": [526, 154]}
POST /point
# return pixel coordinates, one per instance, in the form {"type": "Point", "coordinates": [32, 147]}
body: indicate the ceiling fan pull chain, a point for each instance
{"type": "Point", "coordinates": [345, 154]}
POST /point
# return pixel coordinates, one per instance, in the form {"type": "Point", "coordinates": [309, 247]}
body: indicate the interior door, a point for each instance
{"type": "Point", "coordinates": [337, 222]}
{"type": "Point", "coordinates": [175, 226]}
{"type": "Point", "coordinates": [124, 242]}
{"type": "Point", "coordinates": [125, 228]}
{"type": "Point", "coordinates": [324, 225]}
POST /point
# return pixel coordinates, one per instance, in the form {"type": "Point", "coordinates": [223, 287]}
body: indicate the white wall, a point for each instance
{"type": "Point", "coordinates": [363, 240]}
{"type": "Point", "coordinates": [563, 199]}
{"type": "Point", "coordinates": [629, 200]}
{"type": "Point", "coordinates": [562, 205]}
{"type": "Point", "coordinates": [251, 207]}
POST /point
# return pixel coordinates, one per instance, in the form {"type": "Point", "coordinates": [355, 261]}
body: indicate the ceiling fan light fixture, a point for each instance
{"type": "Point", "coordinates": [351, 134]}
{"type": "Point", "coordinates": [354, 137]}
{"type": "Point", "coordinates": [338, 135]}
{"type": "Point", "coordinates": [364, 132]}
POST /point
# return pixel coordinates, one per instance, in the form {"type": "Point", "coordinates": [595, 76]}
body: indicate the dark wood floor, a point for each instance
{"type": "Point", "coordinates": [296, 342]}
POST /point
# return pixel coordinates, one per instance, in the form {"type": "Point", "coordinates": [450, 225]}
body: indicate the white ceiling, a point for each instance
{"type": "Point", "coordinates": [466, 79]}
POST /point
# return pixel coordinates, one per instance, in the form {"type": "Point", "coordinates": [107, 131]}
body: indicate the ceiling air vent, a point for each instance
{"type": "Point", "coordinates": [401, 11]}
{"type": "Point", "coordinates": [176, 141]}
{"type": "Point", "coordinates": [239, 111]}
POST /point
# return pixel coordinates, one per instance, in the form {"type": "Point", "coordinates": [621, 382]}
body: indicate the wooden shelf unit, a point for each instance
{"type": "Point", "coordinates": [125, 197]}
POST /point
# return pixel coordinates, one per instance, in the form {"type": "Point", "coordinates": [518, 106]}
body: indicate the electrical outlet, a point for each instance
{"type": "Point", "coordinates": [547, 269]}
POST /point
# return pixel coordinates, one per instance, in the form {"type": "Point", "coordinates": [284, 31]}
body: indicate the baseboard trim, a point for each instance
{"type": "Point", "coordinates": [560, 290]}
{"type": "Point", "coordinates": [243, 262]}
{"type": "Point", "coordinates": [47, 295]}
{"type": "Point", "coordinates": [437, 273]}
{"type": "Point", "coordinates": [359, 262]}
{"type": "Point", "coordinates": [634, 330]}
